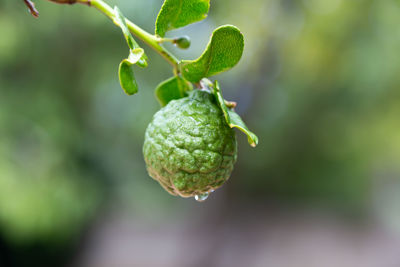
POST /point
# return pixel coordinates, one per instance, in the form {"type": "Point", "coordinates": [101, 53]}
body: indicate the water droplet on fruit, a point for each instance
{"type": "Point", "coordinates": [201, 198]}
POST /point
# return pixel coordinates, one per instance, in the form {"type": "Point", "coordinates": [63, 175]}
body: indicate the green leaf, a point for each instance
{"type": "Point", "coordinates": [236, 121]}
{"type": "Point", "coordinates": [223, 51]}
{"type": "Point", "coordinates": [173, 88]}
{"type": "Point", "coordinates": [179, 13]}
{"type": "Point", "coordinates": [127, 78]}
{"type": "Point", "coordinates": [136, 56]}
{"type": "Point", "coordinates": [120, 20]}
{"type": "Point", "coordinates": [232, 118]}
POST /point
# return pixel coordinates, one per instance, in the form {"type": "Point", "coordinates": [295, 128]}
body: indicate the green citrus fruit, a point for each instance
{"type": "Point", "coordinates": [189, 148]}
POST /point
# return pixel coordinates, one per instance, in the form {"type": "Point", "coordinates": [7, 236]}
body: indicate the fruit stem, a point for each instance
{"type": "Point", "coordinates": [150, 39]}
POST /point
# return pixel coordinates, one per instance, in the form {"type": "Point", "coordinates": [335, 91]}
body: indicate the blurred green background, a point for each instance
{"type": "Point", "coordinates": [319, 83]}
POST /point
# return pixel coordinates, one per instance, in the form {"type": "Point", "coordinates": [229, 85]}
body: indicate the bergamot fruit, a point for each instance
{"type": "Point", "coordinates": [189, 148]}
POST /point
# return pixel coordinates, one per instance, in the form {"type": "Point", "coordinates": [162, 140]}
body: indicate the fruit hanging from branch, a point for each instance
{"type": "Point", "coordinates": [190, 145]}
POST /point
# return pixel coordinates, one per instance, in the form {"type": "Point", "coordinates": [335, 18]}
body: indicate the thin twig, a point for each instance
{"type": "Point", "coordinates": [32, 8]}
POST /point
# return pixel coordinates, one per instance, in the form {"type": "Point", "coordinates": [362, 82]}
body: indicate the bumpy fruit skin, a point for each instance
{"type": "Point", "coordinates": [189, 148]}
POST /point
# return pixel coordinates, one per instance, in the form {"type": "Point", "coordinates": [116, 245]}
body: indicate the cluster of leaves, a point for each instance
{"type": "Point", "coordinates": [223, 52]}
